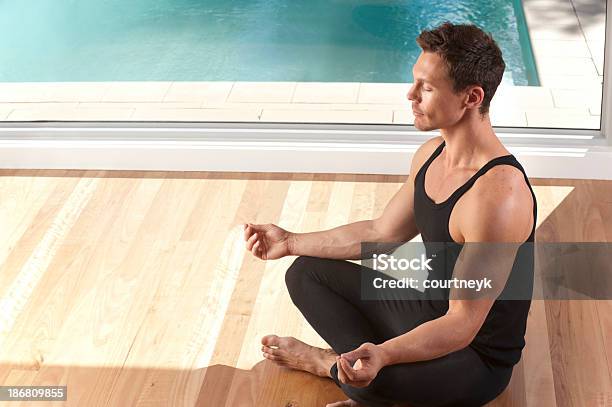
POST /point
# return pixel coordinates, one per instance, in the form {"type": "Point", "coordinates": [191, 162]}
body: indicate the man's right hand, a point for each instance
{"type": "Point", "coordinates": [266, 242]}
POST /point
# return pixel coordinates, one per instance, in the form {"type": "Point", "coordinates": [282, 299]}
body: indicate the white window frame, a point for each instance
{"type": "Point", "coordinates": [280, 147]}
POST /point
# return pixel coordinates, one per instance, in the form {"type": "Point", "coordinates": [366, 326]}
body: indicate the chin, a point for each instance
{"type": "Point", "coordinates": [422, 127]}
{"type": "Point", "coordinates": [419, 124]}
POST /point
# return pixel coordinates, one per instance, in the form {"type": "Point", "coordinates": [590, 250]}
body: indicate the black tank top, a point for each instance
{"type": "Point", "coordinates": [502, 336]}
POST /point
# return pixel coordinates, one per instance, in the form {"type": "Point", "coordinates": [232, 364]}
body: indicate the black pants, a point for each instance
{"type": "Point", "coordinates": [328, 294]}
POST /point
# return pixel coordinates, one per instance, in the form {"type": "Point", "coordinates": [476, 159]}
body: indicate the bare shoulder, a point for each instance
{"type": "Point", "coordinates": [501, 206]}
{"type": "Point", "coordinates": [502, 182]}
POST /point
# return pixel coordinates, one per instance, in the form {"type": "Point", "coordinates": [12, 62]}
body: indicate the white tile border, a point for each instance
{"type": "Point", "coordinates": [372, 103]}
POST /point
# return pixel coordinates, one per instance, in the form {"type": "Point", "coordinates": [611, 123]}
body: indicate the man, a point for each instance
{"type": "Point", "coordinates": [463, 187]}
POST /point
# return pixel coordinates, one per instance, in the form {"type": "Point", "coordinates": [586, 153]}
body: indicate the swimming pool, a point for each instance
{"type": "Point", "coordinates": [239, 40]}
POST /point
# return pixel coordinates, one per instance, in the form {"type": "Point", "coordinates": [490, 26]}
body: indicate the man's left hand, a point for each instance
{"type": "Point", "coordinates": [359, 367]}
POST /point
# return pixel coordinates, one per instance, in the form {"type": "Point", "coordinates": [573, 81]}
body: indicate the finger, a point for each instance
{"type": "Point", "coordinates": [361, 375]}
{"type": "Point", "coordinates": [348, 370]}
{"type": "Point", "coordinates": [256, 248]}
{"type": "Point", "coordinates": [252, 241]}
{"type": "Point", "coordinates": [341, 376]}
{"type": "Point", "coordinates": [345, 380]}
{"type": "Point", "coordinates": [263, 250]}
{"type": "Point", "coordinates": [356, 375]}
{"type": "Point", "coordinates": [247, 231]}
{"type": "Point", "coordinates": [358, 353]}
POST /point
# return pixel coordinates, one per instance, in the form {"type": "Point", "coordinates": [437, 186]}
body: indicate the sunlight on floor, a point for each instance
{"type": "Point", "coordinates": [272, 310]}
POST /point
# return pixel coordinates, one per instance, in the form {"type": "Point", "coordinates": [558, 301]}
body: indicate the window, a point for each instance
{"type": "Point", "coordinates": [285, 62]}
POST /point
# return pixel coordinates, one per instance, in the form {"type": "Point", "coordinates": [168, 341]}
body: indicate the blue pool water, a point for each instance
{"type": "Point", "coordinates": [240, 40]}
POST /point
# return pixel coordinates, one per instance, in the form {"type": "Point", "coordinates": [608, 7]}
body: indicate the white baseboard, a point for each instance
{"type": "Point", "coordinates": [579, 155]}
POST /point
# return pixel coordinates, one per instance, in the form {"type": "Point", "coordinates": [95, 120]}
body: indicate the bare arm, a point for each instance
{"type": "Point", "coordinates": [467, 309]}
{"type": "Point", "coordinates": [342, 242]}
{"type": "Point", "coordinates": [396, 224]}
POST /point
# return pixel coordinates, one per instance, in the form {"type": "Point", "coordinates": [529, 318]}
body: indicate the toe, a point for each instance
{"type": "Point", "coordinates": [270, 340]}
{"type": "Point", "coordinates": [276, 359]}
{"type": "Point", "coordinates": [270, 356]}
{"type": "Point", "coordinates": [272, 351]}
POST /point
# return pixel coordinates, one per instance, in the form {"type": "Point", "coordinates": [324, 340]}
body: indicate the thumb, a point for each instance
{"type": "Point", "coordinates": [254, 227]}
{"type": "Point", "coordinates": [358, 353]}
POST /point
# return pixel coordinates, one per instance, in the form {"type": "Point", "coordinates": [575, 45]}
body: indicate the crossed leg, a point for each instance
{"type": "Point", "coordinates": [328, 293]}
{"type": "Point", "coordinates": [322, 288]}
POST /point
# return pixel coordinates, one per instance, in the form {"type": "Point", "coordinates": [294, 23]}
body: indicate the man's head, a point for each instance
{"type": "Point", "coordinates": [460, 68]}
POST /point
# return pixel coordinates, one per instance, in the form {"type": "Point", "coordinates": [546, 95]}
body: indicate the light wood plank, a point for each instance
{"type": "Point", "coordinates": [149, 299]}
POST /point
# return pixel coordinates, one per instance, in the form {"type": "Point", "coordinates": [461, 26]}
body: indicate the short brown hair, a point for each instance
{"type": "Point", "coordinates": [472, 57]}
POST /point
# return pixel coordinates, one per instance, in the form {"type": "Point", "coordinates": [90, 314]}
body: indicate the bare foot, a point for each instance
{"type": "Point", "coordinates": [295, 354]}
{"type": "Point", "coordinates": [345, 403]}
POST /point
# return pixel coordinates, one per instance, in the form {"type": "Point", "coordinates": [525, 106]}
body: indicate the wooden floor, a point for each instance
{"type": "Point", "coordinates": [134, 288]}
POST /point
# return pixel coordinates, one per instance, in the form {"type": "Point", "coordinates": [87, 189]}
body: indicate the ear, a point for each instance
{"type": "Point", "coordinates": [475, 96]}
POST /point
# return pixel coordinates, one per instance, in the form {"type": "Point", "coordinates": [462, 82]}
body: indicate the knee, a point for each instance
{"type": "Point", "coordinates": [382, 391]}
{"type": "Point", "coordinates": [370, 395]}
{"type": "Point", "coordinates": [294, 276]}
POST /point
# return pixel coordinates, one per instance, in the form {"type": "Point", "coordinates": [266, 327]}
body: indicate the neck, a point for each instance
{"type": "Point", "coordinates": [470, 142]}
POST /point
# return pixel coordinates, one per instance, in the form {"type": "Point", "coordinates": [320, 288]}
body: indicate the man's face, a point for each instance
{"type": "Point", "coordinates": [434, 104]}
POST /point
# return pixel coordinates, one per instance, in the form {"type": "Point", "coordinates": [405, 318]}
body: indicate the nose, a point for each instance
{"type": "Point", "coordinates": [411, 95]}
